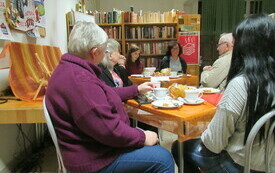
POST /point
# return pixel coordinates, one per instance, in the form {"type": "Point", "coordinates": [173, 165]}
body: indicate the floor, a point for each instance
{"type": "Point", "coordinates": [50, 162]}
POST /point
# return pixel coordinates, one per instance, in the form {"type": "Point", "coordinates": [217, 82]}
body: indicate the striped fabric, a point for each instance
{"type": "Point", "coordinates": [25, 73]}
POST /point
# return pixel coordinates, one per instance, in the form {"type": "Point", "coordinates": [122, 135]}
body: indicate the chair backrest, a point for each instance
{"type": "Point", "coordinates": [61, 167]}
{"type": "Point", "coordinates": [251, 136]}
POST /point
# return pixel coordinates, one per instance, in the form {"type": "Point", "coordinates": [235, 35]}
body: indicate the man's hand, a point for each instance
{"type": "Point", "coordinates": [207, 67]}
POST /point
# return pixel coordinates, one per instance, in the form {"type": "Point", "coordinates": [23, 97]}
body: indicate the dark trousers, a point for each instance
{"type": "Point", "coordinates": [197, 156]}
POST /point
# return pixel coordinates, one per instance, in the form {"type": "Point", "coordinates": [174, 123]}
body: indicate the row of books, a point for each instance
{"type": "Point", "coordinates": [150, 17]}
{"type": "Point", "coordinates": [152, 32]}
{"type": "Point", "coordinates": [113, 32]}
{"type": "Point", "coordinates": [151, 48]}
{"type": "Point", "coordinates": [151, 61]}
{"type": "Point", "coordinates": [114, 16]}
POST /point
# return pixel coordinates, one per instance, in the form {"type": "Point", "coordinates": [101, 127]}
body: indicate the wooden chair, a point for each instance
{"type": "Point", "coordinates": [250, 139]}
{"type": "Point", "coordinates": [61, 167]}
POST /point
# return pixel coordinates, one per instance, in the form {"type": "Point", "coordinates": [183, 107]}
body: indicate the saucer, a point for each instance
{"type": "Point", "coordinates": [167, 104]}
{"type": "Point", "coordinates": [191, 102]}
{"type": "Point", "coordinates": [210, 90]}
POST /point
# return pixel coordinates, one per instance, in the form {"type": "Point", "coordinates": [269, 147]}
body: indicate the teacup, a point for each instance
{"type": "Point", "coordinates": [160, 93]}
{"type": "Point", "coordinates": [147, 74]}
{"type": "Point", "coordinates": [173, 73]}
{"type": "Point", "coordinates": [157, 84]}
{"type": "Point", "coordinates": [193, 94]}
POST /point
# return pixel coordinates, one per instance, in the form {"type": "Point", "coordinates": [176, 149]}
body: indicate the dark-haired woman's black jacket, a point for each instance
{"type": "Point", "coordinates": [165, 63]}
{"type": "Point", "coordinates": [106, 76]}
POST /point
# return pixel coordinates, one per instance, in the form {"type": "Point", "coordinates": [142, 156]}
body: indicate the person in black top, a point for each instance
{"type": "Point", "coordinates": [113, 74]}
{"type": "Point", "coordinates": [172, 59]}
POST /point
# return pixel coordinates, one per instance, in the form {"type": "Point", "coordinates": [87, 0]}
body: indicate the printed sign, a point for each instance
{"type": "Point", "coordinates": [190, 46]}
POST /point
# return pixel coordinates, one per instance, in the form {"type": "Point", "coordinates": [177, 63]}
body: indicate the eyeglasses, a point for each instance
{"type": "Point", "coordinates": [220, 44]}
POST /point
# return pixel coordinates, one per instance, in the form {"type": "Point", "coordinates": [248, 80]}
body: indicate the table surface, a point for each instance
{"type": "Point", "coordinates": [187, 121]}
{"type": "Point", "coordinates": [188, 80]}
{"type": "Point", "coordinates": [13, 112]}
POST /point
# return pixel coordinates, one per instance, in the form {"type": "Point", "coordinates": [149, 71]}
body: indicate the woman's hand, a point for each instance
{"type": "Point", "coordinates": [151, 138]}
{"type": "Point", "coordinates": [145, 87]}
{"type": "Point", "coordinates": [121, 60]}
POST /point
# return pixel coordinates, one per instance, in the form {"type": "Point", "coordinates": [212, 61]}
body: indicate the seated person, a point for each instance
{"type": "Point", "coordinates": [113, 74]}
{"type": "Point", "coordinates": [116, 76]}
{"type": "Point", "coordinates": [215, 76]}
{"type": "Point", "coordinates": [133, 64]}
{"type": "Point", "coordinates": [92, 127]}
{"type": "Point", "coordinates": [172, 59]}
{"type": "Point", "coordinates": [247, 97]}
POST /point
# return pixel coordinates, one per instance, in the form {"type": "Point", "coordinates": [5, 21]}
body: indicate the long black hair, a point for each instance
{"type": "Point", "coordinates": [254, 58]}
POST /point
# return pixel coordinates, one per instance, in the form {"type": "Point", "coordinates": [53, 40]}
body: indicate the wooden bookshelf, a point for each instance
{"type": "Point", "coordinates": [151, 37]}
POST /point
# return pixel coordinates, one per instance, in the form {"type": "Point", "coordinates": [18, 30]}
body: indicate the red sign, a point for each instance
{"type": "Point", "coordinates": [190, 46]}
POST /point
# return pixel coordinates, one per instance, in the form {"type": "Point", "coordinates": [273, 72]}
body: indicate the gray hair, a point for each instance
{"type": "Point", "coordinates": [226, 38]}
{"type": "Point", "coordinates": [112, 46]}
{"type": "Point", "coordinates": [84, 37]}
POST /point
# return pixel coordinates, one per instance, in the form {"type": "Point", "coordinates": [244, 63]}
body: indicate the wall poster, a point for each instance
{"type": "Point", "coordinates": [20, 14]}
{"type": "Point", "coordinates": [5, 33]}
{"type": "Point", "coordinates": [190, 44]}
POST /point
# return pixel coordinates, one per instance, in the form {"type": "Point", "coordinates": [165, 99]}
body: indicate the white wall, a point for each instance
{"type": "Point", "coordinates": [190, 6]}
{"type": "Point", "coordinates": [56, 36]}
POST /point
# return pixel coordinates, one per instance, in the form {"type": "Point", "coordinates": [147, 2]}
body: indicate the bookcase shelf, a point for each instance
{"type": "Point", "coordinates": [149, 24]}
{"type": "Point", "coordinates": [147, 40]}
{"type": "Point", "coordinates": [151, 37]}
{"type": "Point", "coordinates": [152, 55]}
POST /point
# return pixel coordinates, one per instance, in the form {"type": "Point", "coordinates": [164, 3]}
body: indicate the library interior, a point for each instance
{"type": "Point", "coordinates": [160, 85]}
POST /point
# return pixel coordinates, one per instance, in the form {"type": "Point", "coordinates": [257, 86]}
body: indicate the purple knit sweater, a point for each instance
{"type": "Point", "coordinates": [90, 121]}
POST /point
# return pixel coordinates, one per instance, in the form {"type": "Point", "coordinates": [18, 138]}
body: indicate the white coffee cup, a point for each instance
{"type": "Point", "coordinates": [147, 74]}
{"type": "Point", "coordinates": [160, 93]}
{"type": "Point", "coordinates": [173, 73]}
{"type": "Point", "coordinates": [157, 84]}
{"type": "Point", "coordinates": [193, 94]}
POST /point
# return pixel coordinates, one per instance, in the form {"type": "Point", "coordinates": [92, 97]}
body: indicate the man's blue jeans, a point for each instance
{"type": "Point", "coordinates": [197, 155]}
{"type": "Point", "coordinates": [148, 159]}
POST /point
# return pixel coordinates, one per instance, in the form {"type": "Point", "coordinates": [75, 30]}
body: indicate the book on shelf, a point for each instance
{"type": "Point", "coordinates": [150, 17]}
{"type": "Point", "coordinates": [108, 17]}
{"type": "Point", "coordinates": [150, 61]}
{"type": "Point", "coordinates": [149, 32]}
{"type": "Point", "coordinates": [113, 32]}
{"type": "Point", "coordinates": [151, 48]}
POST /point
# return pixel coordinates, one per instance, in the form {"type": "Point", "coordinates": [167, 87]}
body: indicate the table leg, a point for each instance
{"type": "Point", "coordinates": [135, 123]}
{"type": "Point", "coordinates": [39, 133]}
{"type": "Point", "coordinates": [181, 159]}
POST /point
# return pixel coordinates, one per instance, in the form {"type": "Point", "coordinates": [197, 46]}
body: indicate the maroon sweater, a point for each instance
{"type": "Point", "coordinates": [90, 121]}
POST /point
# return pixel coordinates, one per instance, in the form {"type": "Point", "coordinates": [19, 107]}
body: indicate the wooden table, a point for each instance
{"type": "Point", "coordinates": [187, 122]}
{"type": "Point", "coordinates": [21, 112]}
{"type": "Point", "coordinates": [24, 112]}
{"type": "Point", "coordinates": [187, 80]}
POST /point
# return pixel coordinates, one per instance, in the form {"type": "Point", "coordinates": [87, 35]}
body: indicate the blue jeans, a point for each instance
{"type": "Point", "coordinates": [196, 156]}
{"type": "Point", "coordinates": [148, 159]}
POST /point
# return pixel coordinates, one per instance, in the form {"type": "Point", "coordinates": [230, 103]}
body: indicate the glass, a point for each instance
{"type": "Point", "coordinates": [220, 44]}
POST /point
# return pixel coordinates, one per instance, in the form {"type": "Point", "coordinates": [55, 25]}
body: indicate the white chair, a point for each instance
{"type": "Point", "coordinates": [61, 167]}
{"type": "Point", "coordinates": [252, 134]}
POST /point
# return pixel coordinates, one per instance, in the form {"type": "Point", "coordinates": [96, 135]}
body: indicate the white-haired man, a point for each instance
{"type": "Point", "coordinates": [215, 76]}
{"type": "Point", "coordinates": [92, 126]}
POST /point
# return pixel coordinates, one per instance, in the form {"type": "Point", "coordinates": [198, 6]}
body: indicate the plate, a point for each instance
{"type": "Point", "coordinates": [167, 104]}
{"type": "Point", "coordinates": [175, 76]}
{"type": "Point", "coordinates": [187, 102]}
{"type": "Point", "coordinates": [137, 75]}
{"type": "Point", "coordinates": [210, 90]}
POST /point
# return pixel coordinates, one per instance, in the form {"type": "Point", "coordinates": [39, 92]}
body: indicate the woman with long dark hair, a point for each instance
{"type": "Point", "coordinates": [249, 94]}
{"type": "Point", "coordinates": [133, 63]}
